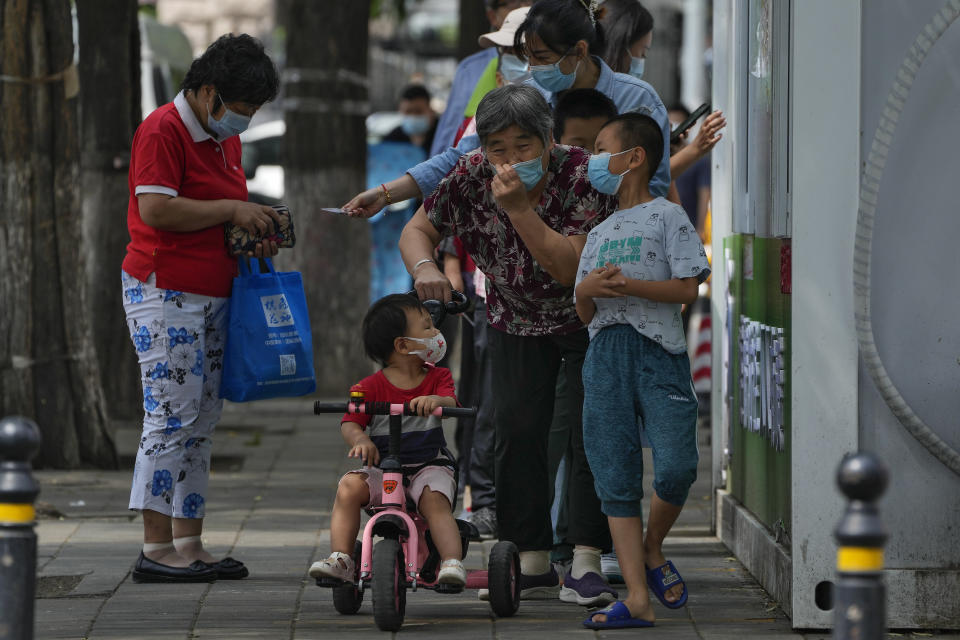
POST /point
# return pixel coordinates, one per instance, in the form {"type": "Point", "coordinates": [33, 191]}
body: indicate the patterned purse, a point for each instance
{"type": "Point", "coordinates": [241, 241]}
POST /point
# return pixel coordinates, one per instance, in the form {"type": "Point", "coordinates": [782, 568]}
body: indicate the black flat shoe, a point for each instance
{"type": "Point", "coordinates": [230, 569]}
{"type": "Point", "coordinates": [146, 570]}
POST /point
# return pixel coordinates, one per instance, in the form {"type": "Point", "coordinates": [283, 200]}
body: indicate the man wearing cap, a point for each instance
{"type": "Point", "coordinates": [469, 72]}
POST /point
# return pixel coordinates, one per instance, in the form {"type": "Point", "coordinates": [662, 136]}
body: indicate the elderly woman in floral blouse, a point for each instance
{"type": "Point", "coordinates": [522, 206]}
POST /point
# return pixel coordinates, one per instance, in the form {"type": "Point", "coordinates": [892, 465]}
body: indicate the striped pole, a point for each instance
{"type": "Point", "coordinates": [19, 442]}
{"type": "Point", "coordinates": [860, 611]}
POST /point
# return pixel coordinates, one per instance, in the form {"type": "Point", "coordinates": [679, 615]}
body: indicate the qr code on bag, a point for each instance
{"type": "Point", "coordinates": [288, 364]}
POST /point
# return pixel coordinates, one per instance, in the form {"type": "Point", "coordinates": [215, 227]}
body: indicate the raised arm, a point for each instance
{"type": "Point", "coordinates": [556, 253]}
{"type": "Point", "coordinates": [417, 182]}
{"type": "Point", "coordinates": [707, 138]}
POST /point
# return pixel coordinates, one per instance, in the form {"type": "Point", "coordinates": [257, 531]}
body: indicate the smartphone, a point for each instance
{"type": "Point", "coordinates": [686, 124]}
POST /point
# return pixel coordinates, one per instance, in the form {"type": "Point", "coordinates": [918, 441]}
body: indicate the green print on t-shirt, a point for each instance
{"type": "Point", "coordinates": [620, 251]}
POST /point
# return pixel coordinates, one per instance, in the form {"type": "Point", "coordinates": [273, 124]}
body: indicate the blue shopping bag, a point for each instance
{"type": "Point", "coordinates": [269, 350]}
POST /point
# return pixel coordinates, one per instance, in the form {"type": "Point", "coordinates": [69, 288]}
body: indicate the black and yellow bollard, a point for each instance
{"type": "Point", "coordinates": [860, 611]}
{"type": "Point", "coordinates": [19, 442]}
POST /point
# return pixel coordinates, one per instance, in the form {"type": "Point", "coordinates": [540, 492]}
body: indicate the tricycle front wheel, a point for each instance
{"type": "Point", "coordinates": [389, 585]}
{"type": "Point", "coordinates": [503, 579]}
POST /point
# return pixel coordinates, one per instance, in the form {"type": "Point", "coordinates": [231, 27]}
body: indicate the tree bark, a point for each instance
{"type": "Point", "coordinates": [109, 66]}
{"type": "Point", "coordinates": [325, 152]}
{"type": "Point", "coordinates": [48, 367]}
{"type": "Point", "coordinates": [473, 24]}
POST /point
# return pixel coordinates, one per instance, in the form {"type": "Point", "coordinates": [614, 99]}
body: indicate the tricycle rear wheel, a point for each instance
{"type": "Point", "coordinates": [347, 598]}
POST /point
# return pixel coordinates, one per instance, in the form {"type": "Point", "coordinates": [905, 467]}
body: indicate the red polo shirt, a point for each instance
{"type": "Point", "coordinates": [173, 155]}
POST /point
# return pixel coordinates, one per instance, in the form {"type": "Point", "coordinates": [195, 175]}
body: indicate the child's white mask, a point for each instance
{"type": "Point", "coordinates": [434, 348]}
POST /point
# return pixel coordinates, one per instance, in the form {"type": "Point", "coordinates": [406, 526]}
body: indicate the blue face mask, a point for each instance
{"type": "Point", "coordinates": [229, 125]}
{"type": "Point", "coordinates": [551, 78]}
{"type": "Point", "coordinates": [636, 67]}
{"type": "Point", "coordinates": [530, 172]}
{"type": "Point", "coordinates": [598, 172]}
{"type": "Point", "coordinates": [415, 125]}
{"type": "Point", "coordinates": [514, 70]}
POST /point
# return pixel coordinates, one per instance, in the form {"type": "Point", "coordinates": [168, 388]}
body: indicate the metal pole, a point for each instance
{"type": "Point", "coordinates": [860, 611]}
{"type": "Point", "coordinates": [19, 442]}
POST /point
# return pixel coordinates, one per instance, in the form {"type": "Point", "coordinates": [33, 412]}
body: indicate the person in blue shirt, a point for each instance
{"type": "Point", "coordinates": [467, 75]}
{"type": "Point", "coordinates": [629, 35]}
{"type": "Point", "coordinates": [561, 41]}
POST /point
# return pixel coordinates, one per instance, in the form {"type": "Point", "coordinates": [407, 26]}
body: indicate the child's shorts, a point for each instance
{"type": "Point", "coordinates": [438, 478]}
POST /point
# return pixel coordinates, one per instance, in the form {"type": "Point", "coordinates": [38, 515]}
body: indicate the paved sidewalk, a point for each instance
{"type": "Point", "coordinates": [275, 470]}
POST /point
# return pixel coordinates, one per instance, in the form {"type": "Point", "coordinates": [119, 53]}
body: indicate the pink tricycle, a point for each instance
{"type": "Point", "coordinates": [405, 556]}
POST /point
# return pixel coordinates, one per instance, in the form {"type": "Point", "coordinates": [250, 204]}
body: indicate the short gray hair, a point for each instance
{"type": "Point", "coordinates": [520, 105]}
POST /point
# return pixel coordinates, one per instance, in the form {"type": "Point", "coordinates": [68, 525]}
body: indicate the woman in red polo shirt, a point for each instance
{"type": "Point", "coordinates": [186, 182]}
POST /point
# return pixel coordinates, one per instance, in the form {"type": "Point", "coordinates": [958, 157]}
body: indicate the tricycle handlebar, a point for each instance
{"type": "Point", "coordinates": [386, 408]}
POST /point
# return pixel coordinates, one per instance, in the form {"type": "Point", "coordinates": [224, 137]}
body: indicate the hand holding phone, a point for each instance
{"type": "Point", "coordinates": [684, 126]}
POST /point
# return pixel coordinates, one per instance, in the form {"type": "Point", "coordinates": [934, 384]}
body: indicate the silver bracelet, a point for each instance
{"type": "Point", "coordinates": [424, 261]}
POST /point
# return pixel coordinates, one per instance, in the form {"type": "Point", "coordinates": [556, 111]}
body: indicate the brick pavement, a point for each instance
{"type": "Point", "coordinates": [274, 473]}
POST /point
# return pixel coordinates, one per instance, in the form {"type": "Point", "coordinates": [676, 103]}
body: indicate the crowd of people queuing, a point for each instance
{"type": "Point", "coordinates": [552, 196]}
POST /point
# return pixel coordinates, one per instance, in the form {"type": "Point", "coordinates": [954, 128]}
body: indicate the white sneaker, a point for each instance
{"type": "Point", "coordinates": [452, 572]}
{"type": "Point", "coordinates": [339, 566]}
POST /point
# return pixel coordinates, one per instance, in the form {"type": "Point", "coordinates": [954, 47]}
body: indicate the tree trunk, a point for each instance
{"type": "Point", "coordinates": [325, 153]}
{"type": "Point", "coordinates": [48, 367]}
{"type": "Point", "coordinates": [473, 24]}
{"type": "Point", "coordinates": [109, 66]}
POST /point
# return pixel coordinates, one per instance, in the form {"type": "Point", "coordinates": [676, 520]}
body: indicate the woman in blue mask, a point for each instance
{"type": "Point", "coordinates": [629, 34]}
{"type": "Point", "coordinates": [186, 183]}
{"type": "Point", "coordinates": [561, 41]}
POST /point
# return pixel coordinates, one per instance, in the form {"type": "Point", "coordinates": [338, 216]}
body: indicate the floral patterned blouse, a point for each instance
{"type": "Point", "coordinates": [522, 298]}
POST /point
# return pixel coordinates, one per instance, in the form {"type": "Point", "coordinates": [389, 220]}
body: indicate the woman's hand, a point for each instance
{"type": "Point", "coordinates": [425, 405]}
{"type": "Point", "coordinates": [364, 449]}
{"type": "Point", "coordinates": [258, 219]}
{"type": "Point", "coordinates": [366, 204]}
{"type": "Point", "coordinates": [602, 282]}
{"type": "Point", "coordinates": [509, 191]}
{"type": "Point", "coordinates": [265, 249]}
{"type": "Point", "coordinates": [708, 136]}
{"type": "Point", "coordinates": [430, 283]}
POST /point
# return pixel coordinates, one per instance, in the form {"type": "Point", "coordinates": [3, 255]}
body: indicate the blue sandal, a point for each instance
{"type": "Point", "coordinates": [661, 579]}
{"type": "Point", "coordinates": [618, 617]}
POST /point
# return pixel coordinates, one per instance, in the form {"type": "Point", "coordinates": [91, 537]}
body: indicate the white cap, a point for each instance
{"type": "Point", "coordinates": [504, 37]}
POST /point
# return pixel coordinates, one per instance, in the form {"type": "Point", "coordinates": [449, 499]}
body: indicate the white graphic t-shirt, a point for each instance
{"type": "Point", "coordinates": [651, 241]}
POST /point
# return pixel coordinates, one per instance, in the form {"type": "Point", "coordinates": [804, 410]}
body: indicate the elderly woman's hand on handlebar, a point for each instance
{"type": "Point", "coordinates": [430, 283]}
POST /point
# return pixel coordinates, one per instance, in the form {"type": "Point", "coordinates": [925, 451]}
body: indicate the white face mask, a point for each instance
{"type": "Point", "coordinates": [434, 349]}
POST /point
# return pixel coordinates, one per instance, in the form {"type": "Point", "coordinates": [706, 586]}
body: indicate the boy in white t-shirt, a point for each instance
{"type": "Point", "coordinates": [637, 269]}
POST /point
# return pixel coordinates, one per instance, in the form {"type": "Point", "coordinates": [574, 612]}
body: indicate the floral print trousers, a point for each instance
{"type": "Point", "coordinates": [179, 340]}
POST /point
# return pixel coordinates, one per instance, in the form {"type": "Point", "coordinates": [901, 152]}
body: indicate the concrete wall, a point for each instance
{"type": "Point", "coordinates": [825, 154]}
{"type": "Point", "coordinates": [915, 306]}
{"type": "Point", "coordinates": [843, 61]}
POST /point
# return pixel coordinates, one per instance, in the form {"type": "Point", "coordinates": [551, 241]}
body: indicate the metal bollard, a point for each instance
{"type": "Point", "coordinates": [860, 611]}
{"type": "Point", "coordinates": [19, 442]}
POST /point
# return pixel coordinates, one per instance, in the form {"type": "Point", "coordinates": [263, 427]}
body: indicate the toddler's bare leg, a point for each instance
{"type": "Point", "coordinates": [435, 507]}
{"type": "Point", "coordinates": [352, 495]}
